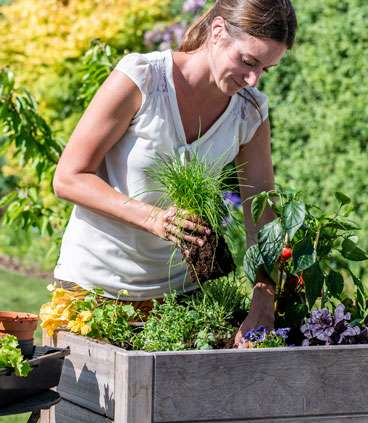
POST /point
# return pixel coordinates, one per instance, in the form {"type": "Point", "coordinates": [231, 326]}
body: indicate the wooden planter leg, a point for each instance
{"type": "Point", "coordinates": [133, 387]}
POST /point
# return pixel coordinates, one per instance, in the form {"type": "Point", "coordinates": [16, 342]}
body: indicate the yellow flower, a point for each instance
{"type": "Point", "coordinates": [85, 329]}
{"type": "Point", "coordinates": [79, 324]}
{"type": "Point", "coordinates": [51, 320]}
{"type": "Point", "coordinates": [85, 315]}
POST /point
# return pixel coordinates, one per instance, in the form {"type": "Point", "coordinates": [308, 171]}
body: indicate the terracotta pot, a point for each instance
{"type": "Point", "coordinates": [21, 325]}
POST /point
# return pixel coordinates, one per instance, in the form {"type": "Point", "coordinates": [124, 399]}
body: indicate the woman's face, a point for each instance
{"type": "Point", "coordinates": [239, 62]}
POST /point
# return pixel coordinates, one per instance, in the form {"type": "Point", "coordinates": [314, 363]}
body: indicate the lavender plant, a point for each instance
{"type": "Point", "coordinates": [326, 328]}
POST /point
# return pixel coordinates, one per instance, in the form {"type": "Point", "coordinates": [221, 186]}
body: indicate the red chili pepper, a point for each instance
{"type": "Point", "coordinates": [286, 253]}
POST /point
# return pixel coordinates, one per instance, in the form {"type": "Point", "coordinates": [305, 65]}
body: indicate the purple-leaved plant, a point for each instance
{"type": "Point", "coordinates": [325, 328]}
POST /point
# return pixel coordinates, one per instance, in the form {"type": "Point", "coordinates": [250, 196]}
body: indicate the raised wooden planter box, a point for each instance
{"type": "Point", "coordinates": [101, 384]}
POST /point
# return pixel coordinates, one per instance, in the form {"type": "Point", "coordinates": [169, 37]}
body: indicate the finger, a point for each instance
{"type": "Point", "coordinates": [179, 233]}
{"type": "Point", "coordinates": [243, 345]}
{"type": "Point", "coordinates": [191, 226]}
{"type": "Point", "coordinates": [196, 227]}
{"type": "Point", "coordinates": [185, 214]}
{"type": "Point", "coordinates": [173, 239]}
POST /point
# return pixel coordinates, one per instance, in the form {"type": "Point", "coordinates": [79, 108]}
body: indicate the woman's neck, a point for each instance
{"type": "Point", "coordinates": [194, 68]}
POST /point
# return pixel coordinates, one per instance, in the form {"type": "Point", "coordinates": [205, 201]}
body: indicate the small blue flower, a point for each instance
{"type": "Point", "coordinates": [233, 198]}
{"type": "Point", "coordinates": [283, 332]}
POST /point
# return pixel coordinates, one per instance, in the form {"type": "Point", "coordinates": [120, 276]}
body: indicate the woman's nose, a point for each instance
{"type": "Point", "coordinates": [252, 77]}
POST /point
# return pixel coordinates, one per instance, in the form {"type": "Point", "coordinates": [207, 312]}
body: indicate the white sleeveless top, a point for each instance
{"type": "Point", "coordinates": [98, 252]}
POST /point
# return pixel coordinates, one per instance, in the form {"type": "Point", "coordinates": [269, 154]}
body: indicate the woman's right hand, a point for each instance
{"type": "Point", "coordinates": [177, 225]}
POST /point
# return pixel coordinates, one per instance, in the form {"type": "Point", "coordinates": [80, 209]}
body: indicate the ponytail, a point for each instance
{"type": "Point", "coordinates": [196, 35]}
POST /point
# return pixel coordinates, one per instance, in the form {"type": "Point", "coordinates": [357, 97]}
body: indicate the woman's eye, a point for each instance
{"type": "Point", "coordinates": [248, 63]}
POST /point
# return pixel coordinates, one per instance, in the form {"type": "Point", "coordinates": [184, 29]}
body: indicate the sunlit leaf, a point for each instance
{"type": "Point", "coordinates": [252, 259]}
{"type": "Point", "coordinates": [270, 240]}
{"type": "Point", "coordinates": [258, 206]}
{"type": "Point", "coordinates": [294, 215]}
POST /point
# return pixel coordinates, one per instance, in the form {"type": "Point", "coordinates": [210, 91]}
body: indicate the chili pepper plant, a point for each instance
{"type": "Point", "coordinates": [309, 254]}
{"type": "Point", "coordinates": [196, 187]}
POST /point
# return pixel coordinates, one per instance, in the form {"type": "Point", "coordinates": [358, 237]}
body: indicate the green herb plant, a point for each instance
{"type": "Point", "coordinates": [11, 356]}
{"type": "Point", "coordinates": [209, 319]}
{"type": "Point", "coordinates": [322, 247]}
{"type": "Point", "coordinates": [193, 185]}
{"type": "Point", "coordinates": [108, 319]}
{"type": "Point", "coordinates": [196, 186]}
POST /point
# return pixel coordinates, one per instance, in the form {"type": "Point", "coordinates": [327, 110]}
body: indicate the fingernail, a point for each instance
{"type": "Point", "coordinates": [200, 243]}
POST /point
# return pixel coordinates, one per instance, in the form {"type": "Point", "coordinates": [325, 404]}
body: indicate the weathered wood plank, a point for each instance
{"type": "Point", "coordinates": [45, 416]}
{"type": "Point", "coordinates": [67, 412]}
{"type": "Point", "coordinates": [314, 419]}
{"type": "Point", "coordinates": [88, 376]}
{"type": "Point", "coordinates": [259, 384]}
{"type": "Point", "coordinates": [133, 387]}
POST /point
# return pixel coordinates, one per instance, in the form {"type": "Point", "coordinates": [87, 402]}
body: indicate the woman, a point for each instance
{"type": "Point", "coordinates": [159, 102]}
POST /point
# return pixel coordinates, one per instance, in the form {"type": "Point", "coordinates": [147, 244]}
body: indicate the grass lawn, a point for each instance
{"type": "Point", "coordinates": [21, 293]}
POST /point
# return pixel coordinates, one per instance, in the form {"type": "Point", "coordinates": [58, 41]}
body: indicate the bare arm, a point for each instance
{"type": "Point", "coordinates": [255, 175]}
{"type": "Point", "coordinates": [102, 125]}
{"type": "Point", "coordinates": [255, 171]}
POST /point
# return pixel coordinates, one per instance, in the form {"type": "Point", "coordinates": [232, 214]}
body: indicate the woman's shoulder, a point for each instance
{"type": "Point", "coordinates": [142, 60]}
{"type": "Point", "coordinates": [145, 69]}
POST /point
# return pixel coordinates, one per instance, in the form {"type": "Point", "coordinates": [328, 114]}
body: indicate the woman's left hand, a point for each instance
{"type": "Point", "coordinates": [261, 312]}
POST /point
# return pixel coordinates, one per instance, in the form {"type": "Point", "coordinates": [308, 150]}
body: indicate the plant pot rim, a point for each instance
{"type": "Point", "coordinates": [17, 315]}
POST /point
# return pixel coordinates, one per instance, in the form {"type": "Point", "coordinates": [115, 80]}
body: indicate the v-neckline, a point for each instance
{"type": "Point", "coordinates": [176, 112]}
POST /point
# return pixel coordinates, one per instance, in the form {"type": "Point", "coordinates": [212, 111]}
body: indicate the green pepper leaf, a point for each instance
{"type": "Point", "coordinates": [335, 283]}
{"type": "Point", "coordinates": [258, 206]}
{"type": "Point", "coordinates": [270, 241]}
{"type": "Point", "coordinates": [294, 215]}
{"type": "Point", "coordinates": [342, 224]}
{"type": "Point", "coordinates": [252, 259]}
{"type": "Point", "coordinates": [303, 255]}
{"type": "Point", "coordinates": [360, 296]}
{"type": "Point", "coordinates": [352, 252]}
{"type": "Point", "coordinates": [313, 282]}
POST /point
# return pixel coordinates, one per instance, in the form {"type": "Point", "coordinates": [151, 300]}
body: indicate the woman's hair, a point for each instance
{"type": "Point", "coordinates": [273, 19]}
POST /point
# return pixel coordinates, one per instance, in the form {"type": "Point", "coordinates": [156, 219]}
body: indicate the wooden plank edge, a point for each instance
{"type": "Point", "coordinates": [133, 387]}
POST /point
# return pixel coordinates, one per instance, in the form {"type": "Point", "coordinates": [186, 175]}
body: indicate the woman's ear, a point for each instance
{"type": "Point", "coordinates": [217, 29]}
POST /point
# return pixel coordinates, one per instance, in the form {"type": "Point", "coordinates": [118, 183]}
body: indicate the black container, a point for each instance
{"type": "Point", "coordinates": [26, 347]}
{"type": "Point", "coordinates": [46, 362]}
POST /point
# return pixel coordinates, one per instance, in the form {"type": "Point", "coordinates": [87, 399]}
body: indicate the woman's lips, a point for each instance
{"type": "Point", "coordinates": [240, 86]}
